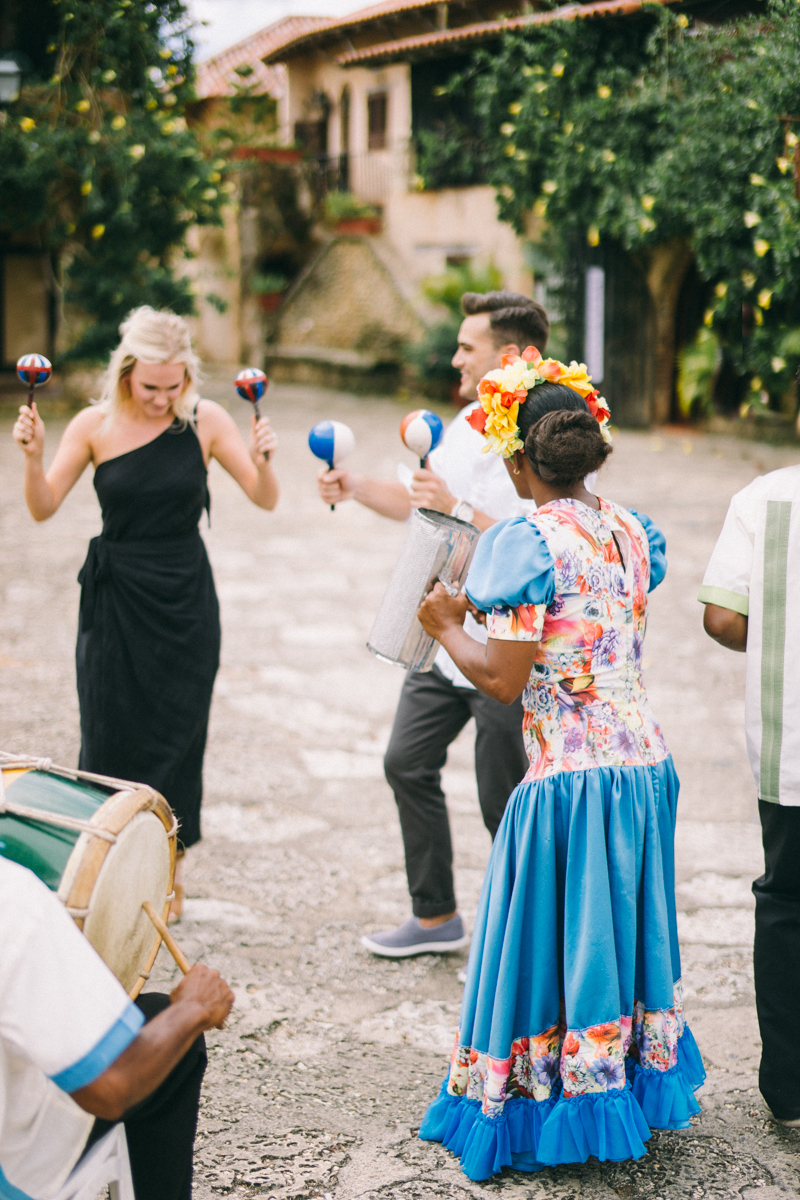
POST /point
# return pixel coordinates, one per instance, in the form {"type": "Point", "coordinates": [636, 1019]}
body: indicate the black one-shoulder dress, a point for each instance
{"type": "Point", "coordinates": [149, 633]}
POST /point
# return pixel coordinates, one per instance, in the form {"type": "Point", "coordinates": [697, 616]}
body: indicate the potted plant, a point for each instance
{"type": "Point", "coordinates": [269, 287]}
{"type": "Point", "coordinates": [350, 215]}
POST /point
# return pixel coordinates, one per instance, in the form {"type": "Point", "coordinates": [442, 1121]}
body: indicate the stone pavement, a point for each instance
{"type": "Point", "coordinates": [318, 1085]}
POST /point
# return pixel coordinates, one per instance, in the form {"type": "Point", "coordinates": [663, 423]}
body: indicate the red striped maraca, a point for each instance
{"type": "Point", "coordinates": [421, 432]}
{"type": "Point", "coordinates": [33, 370]}
{"type": "Point", "coordinates": [251, 383]}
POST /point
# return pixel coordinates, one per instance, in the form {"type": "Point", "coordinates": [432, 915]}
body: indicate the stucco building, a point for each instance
{"type": "Point", "coordinates": [356, 97]}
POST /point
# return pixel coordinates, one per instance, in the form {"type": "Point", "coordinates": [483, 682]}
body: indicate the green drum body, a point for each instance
{"type": "Point", "coordinates": [45, 849]}
{"type": "Point", "coordinates": [103, 845]}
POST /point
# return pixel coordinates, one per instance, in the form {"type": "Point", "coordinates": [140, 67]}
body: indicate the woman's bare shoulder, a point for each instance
{"type": "Point", "coordinates": [87, 422]}
{"type": "Point", "coordinates": [210, 408]}
{"type": "Point", "coordinates": [212, 415]}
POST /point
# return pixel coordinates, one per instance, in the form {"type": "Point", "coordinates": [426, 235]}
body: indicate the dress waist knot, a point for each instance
{"type": "Point", "coordinates": [103, 552]}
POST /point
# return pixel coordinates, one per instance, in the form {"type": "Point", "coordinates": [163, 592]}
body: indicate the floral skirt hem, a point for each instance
{"type": "Point", "coordinates": [532, 1134]}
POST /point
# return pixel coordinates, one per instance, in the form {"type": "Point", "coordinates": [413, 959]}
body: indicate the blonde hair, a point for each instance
{"type": "Point", "coordinates": [152, 337]}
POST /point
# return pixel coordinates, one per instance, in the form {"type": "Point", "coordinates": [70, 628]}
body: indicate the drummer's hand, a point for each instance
{"type": "Point", "coordinates": [262, 440]}
{"type": "Point", "coordinates": [477, 613]}
{"type": "Point", "coordinates": [429, 491]}
{"type": "Point", "coordinates": [29, 430]}
{"type": "Point", "coordinates": [336, 485]}
{"type": "Point", "coordinates": [206, 987]}
{"type": "Point", "coordinates": [440, 611]}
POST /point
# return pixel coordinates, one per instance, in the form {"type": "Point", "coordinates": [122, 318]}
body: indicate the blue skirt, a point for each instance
{"type": "Point", "coordinates": [572, 1040]}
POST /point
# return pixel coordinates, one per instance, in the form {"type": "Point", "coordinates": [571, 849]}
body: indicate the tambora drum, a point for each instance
{"type": "Point", "coordinates": [103, 845]}
{"type": "Point", "coordinates": [437, 547]}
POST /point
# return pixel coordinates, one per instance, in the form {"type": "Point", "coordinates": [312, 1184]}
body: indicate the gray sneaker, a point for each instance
{"type": "Point", "coordinates": [410, 938]}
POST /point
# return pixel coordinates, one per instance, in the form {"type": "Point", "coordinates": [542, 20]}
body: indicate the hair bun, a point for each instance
{"type": "Point", "coordinates": [564, 447]}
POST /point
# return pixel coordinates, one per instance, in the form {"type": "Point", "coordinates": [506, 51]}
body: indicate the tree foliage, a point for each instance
{"type": "Point", "coordinates": [98, 166]}
{"type": "Point", "coordinates": [643, 129]}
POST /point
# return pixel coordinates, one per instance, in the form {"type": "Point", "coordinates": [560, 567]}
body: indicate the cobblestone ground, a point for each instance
{"type": "Point", "coordinates": [318, 1085]}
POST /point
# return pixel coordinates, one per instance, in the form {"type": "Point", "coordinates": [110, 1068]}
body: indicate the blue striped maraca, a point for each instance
{"type": "Point", "coordinates": [33, 370]}
{"type": "Point", "coordinates": [421, 431]}
{"type": "Point", "coordinates": [332, 442]}
{"type": "Point", "coordinates": [251, 383]}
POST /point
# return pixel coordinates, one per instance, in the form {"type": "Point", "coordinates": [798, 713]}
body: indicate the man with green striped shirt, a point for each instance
{"type": "Point", "coordinates": [751, 591]}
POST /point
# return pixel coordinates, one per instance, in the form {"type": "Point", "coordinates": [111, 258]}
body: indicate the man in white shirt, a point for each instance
{"type": "Point", "coordinates": [750, 592]}
{"type": "Point", "coordinates": [73, 1047]}
{"type": "Point", "coordinates": [434, 707]}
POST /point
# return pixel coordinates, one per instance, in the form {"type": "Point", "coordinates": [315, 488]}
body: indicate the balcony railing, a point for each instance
{"type": "Point", "coordinates": [372, 177]}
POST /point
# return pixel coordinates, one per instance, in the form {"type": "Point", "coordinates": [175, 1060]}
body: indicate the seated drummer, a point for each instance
{"type": "Point", "coordinates": [73, 1047]}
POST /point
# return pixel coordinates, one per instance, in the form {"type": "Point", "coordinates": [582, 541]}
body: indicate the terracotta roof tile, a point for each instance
{"type": "Point", "coordinates": [216, 77]}
{"type": "Point", "coordinates": [486, 29]}
{"type": "Point", "coordinates": [362, 16]}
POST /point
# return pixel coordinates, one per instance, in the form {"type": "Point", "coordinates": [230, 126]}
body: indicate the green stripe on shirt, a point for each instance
{"type": "Point", "coordinates": [773, 635]}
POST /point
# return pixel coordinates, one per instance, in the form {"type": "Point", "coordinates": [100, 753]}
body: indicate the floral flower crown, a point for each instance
{"type": "Point", "coordinates": [502, 391]}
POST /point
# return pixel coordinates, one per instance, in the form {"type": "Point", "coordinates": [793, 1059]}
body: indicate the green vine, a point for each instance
{"type": "Point", "coordinates": [98, 166]}
{"type": "Point", "coordinates": [646, 129]}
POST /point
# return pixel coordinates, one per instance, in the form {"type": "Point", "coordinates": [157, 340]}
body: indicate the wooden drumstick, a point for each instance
{"type": "Point", "coordinates": [167, 938]}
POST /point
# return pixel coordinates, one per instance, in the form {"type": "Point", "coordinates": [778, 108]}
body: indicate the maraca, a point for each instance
{"type": "Point", "coordinates": [332, 442]}
{"type": "Point", "coordinates": [33, 370]}
{"type": "Point", "coordinates": [421, 431]}
{"type": "Point", "coordinates": [251, 383]}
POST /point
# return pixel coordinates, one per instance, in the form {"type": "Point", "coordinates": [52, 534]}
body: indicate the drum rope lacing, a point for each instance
{"type": "Point", "coordinates": [60, 819]}
{"type": "Point", "coordinates": [13, 762]}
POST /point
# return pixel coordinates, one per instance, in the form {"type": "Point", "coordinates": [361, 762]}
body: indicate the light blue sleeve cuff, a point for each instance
{"type": "Point", "coordinates": [512, 566]}
{"type": "Point", "coordinates": [658, 548]}
{"type": "Point", "coordinates": [9, 1192]}
{"type": "Point", "coordinates": [107, 1050]}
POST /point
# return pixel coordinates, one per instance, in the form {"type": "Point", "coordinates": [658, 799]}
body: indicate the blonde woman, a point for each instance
{"type": "Point", "coordinates": [148, 632]}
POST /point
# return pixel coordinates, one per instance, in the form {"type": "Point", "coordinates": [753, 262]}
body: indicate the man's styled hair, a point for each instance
{"type": "Point", "coordinates": [512, 317]}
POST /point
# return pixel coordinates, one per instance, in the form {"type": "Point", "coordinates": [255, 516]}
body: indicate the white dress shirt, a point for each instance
{"type": "Point", "coordinates": [755, 570]}
{"type": "Point", "coordinates": [483, 481]}
{"type": "Point", "coordinates": [64, 1018]}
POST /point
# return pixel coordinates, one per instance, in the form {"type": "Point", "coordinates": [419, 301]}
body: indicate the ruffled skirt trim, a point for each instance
{"type": "Point", "coordinates": [532, 1134]}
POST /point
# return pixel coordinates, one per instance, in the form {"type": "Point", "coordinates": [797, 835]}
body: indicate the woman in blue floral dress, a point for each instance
{"type": "Point", "coordinates": [572, 1040]}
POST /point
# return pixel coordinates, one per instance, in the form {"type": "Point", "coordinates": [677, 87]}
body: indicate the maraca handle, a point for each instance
{"type": "Point", "coordinates": [257, 411]}
{"type": "Point", "coordinates": [31, 402]}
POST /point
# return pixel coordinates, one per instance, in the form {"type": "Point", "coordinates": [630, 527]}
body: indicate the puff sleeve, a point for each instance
{"type": "Point", "coordinates": [729, 572]}
{"type": "Point", "coordinates": [658, 548]}
{"type": "Point", "coordinates": [512, 580]}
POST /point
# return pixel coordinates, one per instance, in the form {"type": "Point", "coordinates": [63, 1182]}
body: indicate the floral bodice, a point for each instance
{"type": "Point", "coordinates": [575, 580]}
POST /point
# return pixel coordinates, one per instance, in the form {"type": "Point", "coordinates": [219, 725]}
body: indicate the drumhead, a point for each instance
{"type": "Point", "coordinates": [136, 868]}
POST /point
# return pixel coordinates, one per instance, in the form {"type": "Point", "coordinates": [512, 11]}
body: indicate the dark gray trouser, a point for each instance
{"type": "Point", "coordinates": [777, 959]}
{"type": "Point", "coordinates": [431, 714]}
